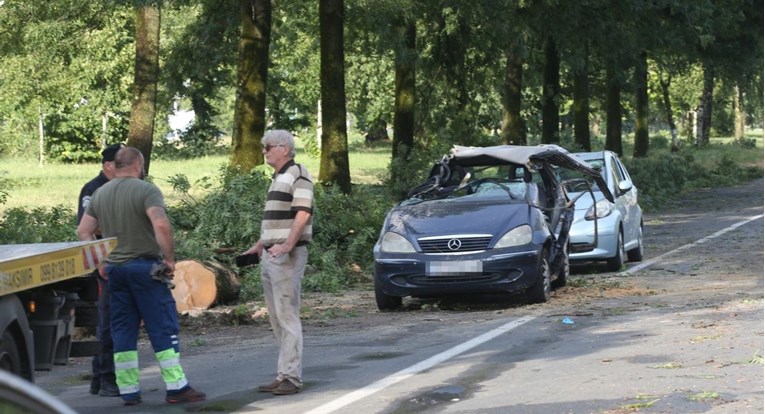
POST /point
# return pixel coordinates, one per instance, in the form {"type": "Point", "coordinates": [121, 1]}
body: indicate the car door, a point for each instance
{"type": "Point", "coordinates": [627, 202]}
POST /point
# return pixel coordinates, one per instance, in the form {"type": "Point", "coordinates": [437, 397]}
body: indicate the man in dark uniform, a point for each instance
{"type": "Point", "coordinates": [103, 382]}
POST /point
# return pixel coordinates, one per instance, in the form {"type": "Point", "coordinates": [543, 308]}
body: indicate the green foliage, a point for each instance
{"type": "Point", "coordinates": [661, 177]}
{"type": "Point", "coordinates": [5, 185]}
{"type": "Point", "coordinates": [38, 225]}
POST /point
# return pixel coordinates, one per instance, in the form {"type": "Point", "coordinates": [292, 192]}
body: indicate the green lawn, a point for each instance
{"type": "Point", "coordinates": [52, 184]}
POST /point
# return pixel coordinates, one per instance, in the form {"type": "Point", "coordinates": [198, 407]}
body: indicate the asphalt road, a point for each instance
{"type": "Point", "coordinates": [687, 337]}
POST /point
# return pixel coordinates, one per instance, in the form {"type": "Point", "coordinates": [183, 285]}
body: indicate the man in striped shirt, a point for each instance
{"type": "Point", "coordinates": [282, 248]}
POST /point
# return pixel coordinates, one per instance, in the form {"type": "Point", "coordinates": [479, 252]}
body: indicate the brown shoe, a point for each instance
{"type": "Point", "coordinates": [189, 395]}
{"type": "Point", "coordinates": [269, 387]}
{"type": "Point", "coordinates": [286, 387]}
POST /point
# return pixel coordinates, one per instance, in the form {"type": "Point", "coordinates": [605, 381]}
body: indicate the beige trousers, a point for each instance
{"type": "Point", "coordinates": [281, 278]}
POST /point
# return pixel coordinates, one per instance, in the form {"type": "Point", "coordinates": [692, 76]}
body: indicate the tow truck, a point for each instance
{"type": "Point", "coordinates": [44, 288]}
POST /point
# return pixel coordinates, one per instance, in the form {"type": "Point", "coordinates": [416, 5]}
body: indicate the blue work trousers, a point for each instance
{"type": "Point", "coordinates": [135, 296]}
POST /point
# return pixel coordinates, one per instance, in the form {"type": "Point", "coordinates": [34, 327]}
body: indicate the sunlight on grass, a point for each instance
{"type": "Point", "coordinates": [53, 183]}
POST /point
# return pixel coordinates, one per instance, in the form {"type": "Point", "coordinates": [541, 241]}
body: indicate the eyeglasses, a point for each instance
{"type": "Point", "coordinates": [268, 147]}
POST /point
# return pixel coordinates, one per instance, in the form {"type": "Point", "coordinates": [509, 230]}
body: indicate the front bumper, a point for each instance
{"type": "Point", "coordinates": [582, 239]}
{"type": "Point", "coordinates": [436, 275]}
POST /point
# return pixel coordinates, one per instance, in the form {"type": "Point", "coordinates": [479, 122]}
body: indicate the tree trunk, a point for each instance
{"type": "Point", "coordinates": [202, 284]}
{"type": "Point", "coordinates": [739, 118]}
{"type": "Point", "coordinates": [613, 112]}
{"type": "Point", "coordinates": [665, 81]}
{"type": "Point", "coordinates": [581, 107]}
{"type": "Point", "coordinates": [334, 167]}
{"type": "Point", "coordinates": [252, 77]}
{"type": "Point", "coordinates": [41, 132]}
{"type": "Point", "coordinates": [641, 107]}
{"type": "Point", "coordinates": [706, 105]}
{"type": "Point", "coordinates": [550, 116]}
{"type": "Point", "coordinates": [144, 104]}
{"type": "Point", "coordinates": [404, 104]}
{"type": "Point", "coordinates": [512, 123]}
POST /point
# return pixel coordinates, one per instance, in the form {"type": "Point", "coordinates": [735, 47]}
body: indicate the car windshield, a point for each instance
{"type": "Point", "coordinates": [577, 185]}
{"type": "Point", "coordinates": [477, 182]}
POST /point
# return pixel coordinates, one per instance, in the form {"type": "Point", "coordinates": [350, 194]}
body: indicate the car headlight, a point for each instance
{"type": "Point", "coordinates": [602, 208]}
{"type": "Point", "coordinates": [395, 243]}
{"type": "Point", "coordinates": [516, 237]}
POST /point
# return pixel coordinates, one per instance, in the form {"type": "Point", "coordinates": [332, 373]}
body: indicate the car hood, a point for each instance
{"type": "Point", "coordinates": [527, 155]}
{"type": "Point", "coordinates": [585, 201]}
{"type": "Point", "coordinates": [440, 217]}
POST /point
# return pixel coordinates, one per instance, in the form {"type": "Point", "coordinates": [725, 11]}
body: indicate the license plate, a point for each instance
{"type": "Point", "coordinates": [456, 267]}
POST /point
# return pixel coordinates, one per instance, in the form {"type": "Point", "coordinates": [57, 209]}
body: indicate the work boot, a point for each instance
{"type": "Point", "coordinates": [109, 389]}
{"type": "Point", "coordinates": [133, 401]}
{"type": "Point", "coordinates": [187, 395]}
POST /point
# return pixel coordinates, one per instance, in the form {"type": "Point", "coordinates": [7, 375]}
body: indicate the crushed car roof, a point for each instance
{"type": "Point", "coordinates": [525, 155]}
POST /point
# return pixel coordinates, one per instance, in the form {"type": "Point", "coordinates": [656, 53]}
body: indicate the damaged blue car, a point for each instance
{"type": "Point", "coordinates": [486, 220]}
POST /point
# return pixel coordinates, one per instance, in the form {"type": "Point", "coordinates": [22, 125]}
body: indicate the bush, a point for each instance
{"type": "Point", "coordinates": [39, 225]}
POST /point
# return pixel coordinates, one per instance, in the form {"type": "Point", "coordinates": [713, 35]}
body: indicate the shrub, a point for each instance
{"type": "Point", "coordinates": [38, 225]}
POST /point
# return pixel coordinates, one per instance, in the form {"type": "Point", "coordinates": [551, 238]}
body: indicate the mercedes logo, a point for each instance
{"type": "Point", "coordinates": [454, 244]}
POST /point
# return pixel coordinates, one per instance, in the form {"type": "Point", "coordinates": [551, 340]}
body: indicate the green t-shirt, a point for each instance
{"type": "Point", "coordinates": [120, 208]}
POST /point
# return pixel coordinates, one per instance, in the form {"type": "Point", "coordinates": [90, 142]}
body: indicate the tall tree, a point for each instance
{"type": "Point", "coordinates": [641, 106]}
{"type": "Point", "coordinates": [512, 123]}
{"type": "Point", "coordinates": [581, 105]}
{"type": "Point", "coordinates": [334, 167]}
{"type": "Point", "coordinates": [252, 76]}
{"type": "Point", "coordinates": [404, 105]}
{"type": "Point", "coordinates": [551, 93]}
{"type": "Point", "coordinates": [144, 102]}
{"type": "Point", "coordinates": [613, 110]}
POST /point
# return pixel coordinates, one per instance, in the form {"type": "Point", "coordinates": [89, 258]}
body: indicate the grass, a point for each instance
{"type": "Point", "coordinates": [51, 184]}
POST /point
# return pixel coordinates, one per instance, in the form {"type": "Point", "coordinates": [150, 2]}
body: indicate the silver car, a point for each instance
{"type": "Point", "coordinates": [617, 234]}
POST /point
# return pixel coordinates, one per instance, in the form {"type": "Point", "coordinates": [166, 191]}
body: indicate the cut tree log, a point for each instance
{"type": "Point", "coordinates": [202, 284]}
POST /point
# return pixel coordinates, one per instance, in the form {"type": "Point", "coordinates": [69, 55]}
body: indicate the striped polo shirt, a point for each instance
{"type": "Point", "coordinates": [291, 191]}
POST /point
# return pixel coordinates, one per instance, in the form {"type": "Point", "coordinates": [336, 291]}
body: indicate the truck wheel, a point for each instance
{"type": "Point", "coordinates": [9, 354]}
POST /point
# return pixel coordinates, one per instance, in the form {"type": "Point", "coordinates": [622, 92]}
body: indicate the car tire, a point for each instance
{"type": "Point", "coordinates": [10, 360]}
{"type": "Point", "coordinates": [636, 254]}
{"type": "Point", "coordinates": [539, 292]}
{"type": "Point", "coordinates": [563, 272]}
{"type": "Point", "coordinates": [386, 302]}
{"type": "Point", "coordinates": [615, 263]}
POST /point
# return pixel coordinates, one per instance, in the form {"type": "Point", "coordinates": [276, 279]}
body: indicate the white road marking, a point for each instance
{"type": "Point", "coordinates": [643, 265]}
{"type": "Point", "coordinates": [354, 396]}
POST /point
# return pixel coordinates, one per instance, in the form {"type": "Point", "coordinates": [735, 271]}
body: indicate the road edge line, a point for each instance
{"type": "Point", "coordinates": [718, 233]}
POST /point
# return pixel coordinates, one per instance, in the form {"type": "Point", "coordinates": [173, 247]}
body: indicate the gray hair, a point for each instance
{"type": "Point", "coordinates": [279, 137]}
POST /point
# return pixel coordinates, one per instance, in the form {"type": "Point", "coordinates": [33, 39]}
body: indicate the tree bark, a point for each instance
{"type": "Point", "coordinates": [613, 112]}
{"type": "Point", "coordinates": [512, 123]}
{"type": "Point", "coordinates": [581, 107]}
{"type": "Point", "coordinates": [550, 115]}
{"type": "Point", "coordinates": [739, 118]}
{"type": "Point", "coordinates": [144, 104]}
{"type": "Point", "coordinates": [706, 105]}
{"type": "Point", "coordinates": [404, 104]}
{"type": "Point", "coordinates": [334, 167]}
{"type": "Point", "coordinates": [641, 107]}
{"type": "Point", "coordinates": [665, 81]}
{"type": "Point", "coordinates": [252, 79]}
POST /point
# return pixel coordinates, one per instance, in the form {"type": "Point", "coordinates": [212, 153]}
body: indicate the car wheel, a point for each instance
{"type": "Point", "coordinates": [10, 360]}
{"type": "Point", "coordinates": [565, 270]}
{"type": "Point", "coordinates": [539, 292]}
{"type": "Point", "coordinates": [386, 302]}
{"type": "Point", "coordinates": [636, 254]}
{"type": "Point", "coordinates": [615, 263]}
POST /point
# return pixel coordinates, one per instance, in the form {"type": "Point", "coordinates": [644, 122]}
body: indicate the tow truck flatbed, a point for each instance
{"type": "Point", "coordinates": [25, 266]}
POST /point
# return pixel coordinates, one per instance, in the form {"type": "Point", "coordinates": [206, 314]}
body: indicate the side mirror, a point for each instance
{"type": "Point", "coordinates": [624, 186]}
